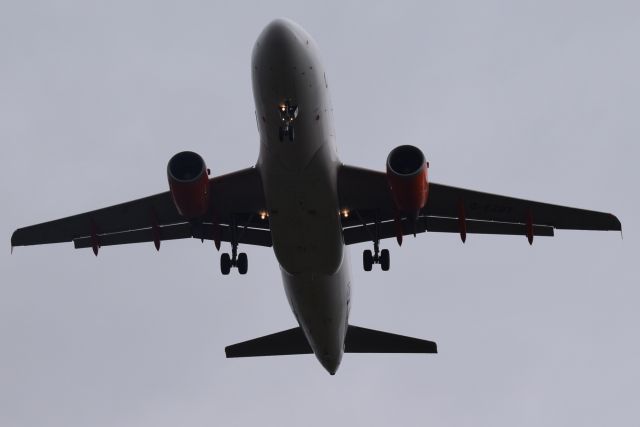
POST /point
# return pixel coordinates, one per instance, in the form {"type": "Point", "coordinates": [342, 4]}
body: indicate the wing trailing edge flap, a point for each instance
{"type": "Point", "coordinates": [358, 340]}
{"type": "Point", "coordinates": [387, 229]}
{"type": "Point", "coordinates": [247, 236]}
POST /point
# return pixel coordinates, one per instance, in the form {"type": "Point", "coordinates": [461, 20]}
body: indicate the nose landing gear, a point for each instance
{"type": "Point", "coordinates": [288, 113]}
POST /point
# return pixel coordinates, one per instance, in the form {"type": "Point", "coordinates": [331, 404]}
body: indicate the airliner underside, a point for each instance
{"type": "Point", "coordinates": [302, 201]}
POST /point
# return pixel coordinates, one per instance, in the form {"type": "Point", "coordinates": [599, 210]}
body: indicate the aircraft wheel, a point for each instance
{"type": "Point", "coordinates": [384, 259]}
{"type": "Point", "coordinates": [291, 133]}
{"type": "Point", "coordinates": [225, 263]}
{"type": "Point", "coordinates": [280, 133]}
{"type": "Point", "coordinates": [243, 263]}
{"type": "Point", "coordinates": [367, 260]}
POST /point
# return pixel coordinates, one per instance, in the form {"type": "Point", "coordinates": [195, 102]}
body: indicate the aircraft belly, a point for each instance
{"type": "Point", "coordinates": [304, 219]}
{"type": "Point", "coordinates": [321, 306]}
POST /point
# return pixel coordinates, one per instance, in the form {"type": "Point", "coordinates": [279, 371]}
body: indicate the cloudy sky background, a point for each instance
{"type": "Point", "coordinates": [536, 99]}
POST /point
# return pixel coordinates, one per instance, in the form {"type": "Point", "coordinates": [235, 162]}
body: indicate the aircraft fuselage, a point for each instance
{"type": "Point", "coordinates": [299, 178]}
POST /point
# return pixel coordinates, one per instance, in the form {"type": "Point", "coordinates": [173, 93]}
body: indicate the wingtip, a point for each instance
{"type": "Point", "coordinates": [616, 223]}
{"type": "Point", "coordinates": [14, 239]}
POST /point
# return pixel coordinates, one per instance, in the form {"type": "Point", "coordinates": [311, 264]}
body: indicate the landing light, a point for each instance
{"type": "Point", "coordinates": [345, 213]}
{"type": "Point", "coordinates": [263, 215]}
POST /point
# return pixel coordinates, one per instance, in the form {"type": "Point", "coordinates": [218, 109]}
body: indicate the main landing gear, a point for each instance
{"type": "Point", "coordinates": [288, 113]}
{"type": "Point", "coordinates": [378, 256]}
{"type": "Point", "coordinates": [238, 260]}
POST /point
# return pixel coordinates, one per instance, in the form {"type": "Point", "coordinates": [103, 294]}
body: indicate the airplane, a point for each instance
{"type": "Point", "coordinates": [302, 201]}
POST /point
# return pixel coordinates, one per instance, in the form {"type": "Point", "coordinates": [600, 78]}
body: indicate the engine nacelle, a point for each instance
{"type": "Point", "coordinates": [407, 177]}
{"type": "Point", "coordinates": [189, 184]}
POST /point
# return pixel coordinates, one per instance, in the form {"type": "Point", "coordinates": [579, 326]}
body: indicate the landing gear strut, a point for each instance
{"type": "Point", "coordinates": [288, 113]}
{"type": "Point", "coordinates": [378, 256]}
{"type": "Point", "coordinates": [239, 260]}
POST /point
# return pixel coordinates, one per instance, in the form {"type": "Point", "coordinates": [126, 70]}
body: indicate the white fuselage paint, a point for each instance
{"type": "Point", "coordinates": [300, 185]}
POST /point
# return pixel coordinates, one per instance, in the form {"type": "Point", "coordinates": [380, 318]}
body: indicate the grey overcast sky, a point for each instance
{"type": "Point", "coordinates": [536, 99]}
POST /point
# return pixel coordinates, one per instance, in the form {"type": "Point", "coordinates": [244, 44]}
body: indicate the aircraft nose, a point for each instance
{"type": "Point", "coordinates": [279, 50]}
{"type": "Point", "coordinates": [279, 35]}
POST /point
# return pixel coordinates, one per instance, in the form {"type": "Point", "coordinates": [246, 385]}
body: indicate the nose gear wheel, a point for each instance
{"type": "Point", "coordinates": [288, 113]}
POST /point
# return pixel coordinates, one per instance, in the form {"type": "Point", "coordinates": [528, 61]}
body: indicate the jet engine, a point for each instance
{"type": "Point", "coordinates": [189, 184]}
{"type": "Point", "coordinates": [407, 177]}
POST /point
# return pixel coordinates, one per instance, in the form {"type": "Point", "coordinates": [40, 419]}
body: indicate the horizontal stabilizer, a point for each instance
{"type": "Point", "coordinates": [291, 341]}
{"type": "Point", "coordinates": [362, 340]}
{"type": "Point", "coordinates": [358, 340]}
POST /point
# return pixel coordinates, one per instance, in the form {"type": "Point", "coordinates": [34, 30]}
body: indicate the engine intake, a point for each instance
{"type": "Point", "coordinates": [189, 184]}
{"type": "Point", "coordinates": [407, 177]}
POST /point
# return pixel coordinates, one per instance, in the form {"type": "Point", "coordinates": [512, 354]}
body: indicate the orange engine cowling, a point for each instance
{"type": "Point", "coordinates": [189, 184]}
{"type": "Point", "coordinates": [407, 177]}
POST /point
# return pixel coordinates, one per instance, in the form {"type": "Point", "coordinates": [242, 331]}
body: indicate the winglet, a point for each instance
{"type": "Point", "coordinates": [13, 240]}
{"type": "Point", "coordinates": [616, 222]}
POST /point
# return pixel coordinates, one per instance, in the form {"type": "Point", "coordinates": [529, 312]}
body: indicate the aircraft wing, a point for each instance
{"type": "Point", "coordinates": [235, 197]}
{"type": "Point", "coordinates": [365, 193]}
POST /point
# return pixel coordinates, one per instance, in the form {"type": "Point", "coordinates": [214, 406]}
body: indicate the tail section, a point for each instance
{"type": "Point", "coordinates": [358, 340]}
{"type": "Point", "coordinates": [363, 340]}
{"type": "Point", "coordinates": [291, 341]}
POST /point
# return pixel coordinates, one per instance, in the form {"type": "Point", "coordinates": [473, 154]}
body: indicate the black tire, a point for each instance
{"type": "Point", "coordinates": [384, 259]}
{"type": "Point", "coordinates": [291, 133]}
{"type": "Point", "coordinates": [367, 260]}
{"type": "Point", "coordinates": [280, 133]}
{"type": "Point", "coordinates": [225, 263]}
{"type": "Point", "coordinates": [243, 263]}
